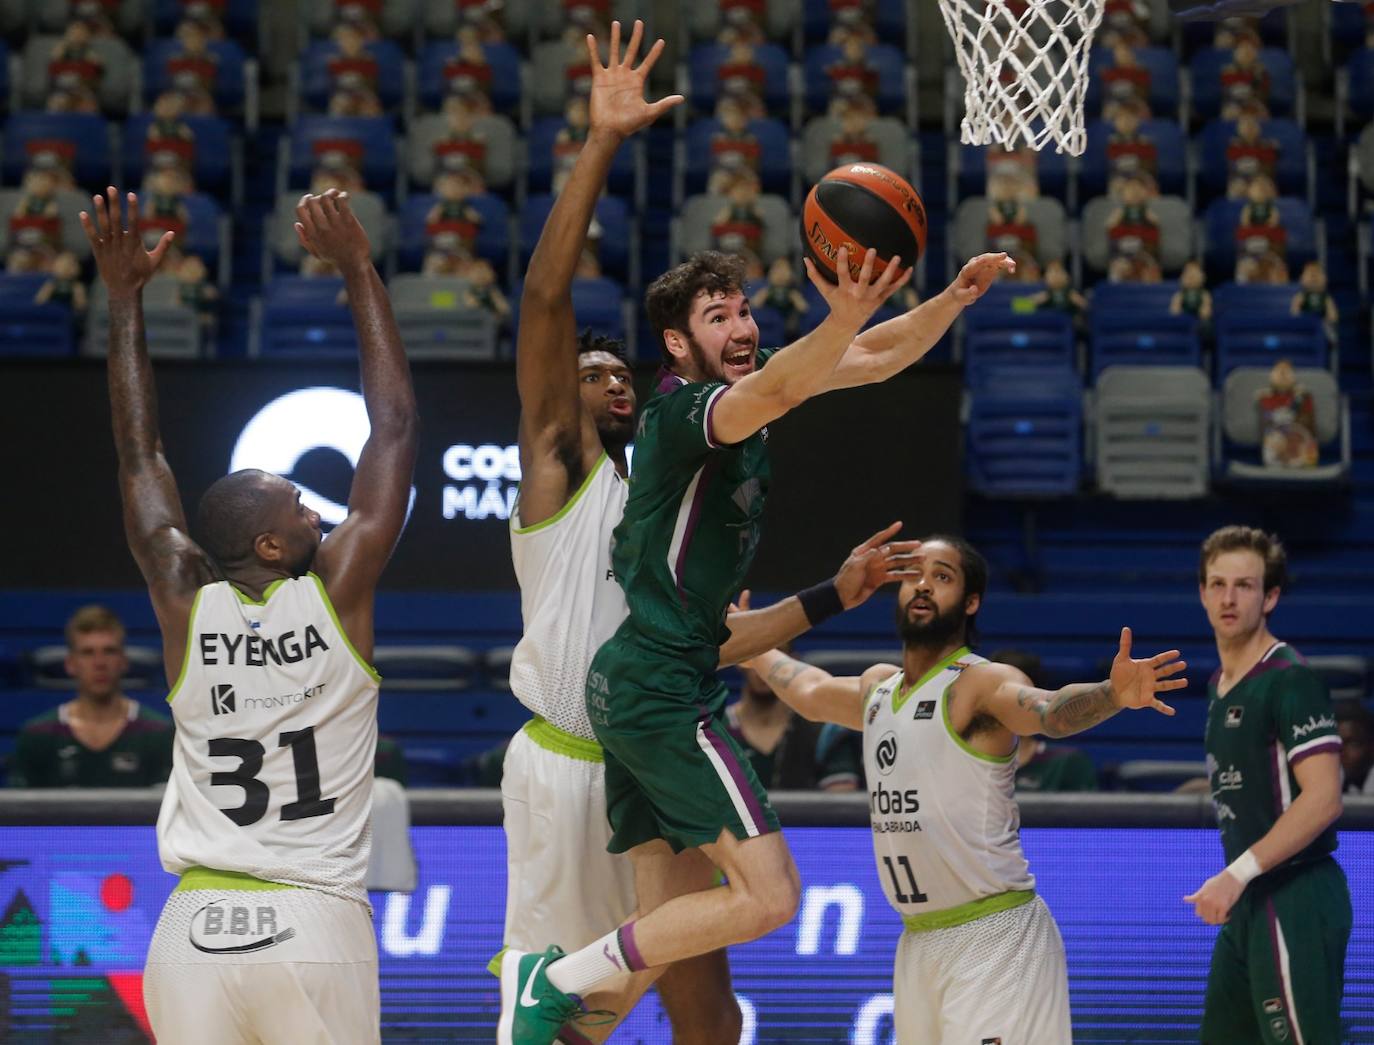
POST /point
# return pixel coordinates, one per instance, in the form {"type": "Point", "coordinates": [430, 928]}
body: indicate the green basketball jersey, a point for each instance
{"type": "Point", "coordinates": [1268, 722]}
{"type": "Point", "coordinates": [691, 524]}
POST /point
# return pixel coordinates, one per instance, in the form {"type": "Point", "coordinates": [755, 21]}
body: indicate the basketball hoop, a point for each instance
{"type": "Point", "coordinates": [1025, 68]}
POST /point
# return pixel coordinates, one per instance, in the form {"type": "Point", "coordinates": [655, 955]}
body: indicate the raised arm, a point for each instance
{"type": "Point", "coordinates": [818, 695]}
{"type": "Point", "coordinates": [806, 367]}
{"type": "Point", "coordinates": [891, 347]}
{"type": "Point", "coordinates": [1007, 695]}
{"type": "Point", "coordinates": [351, 559]}
{"type": "Point", "coordinates": [154, 521]}
{"type": "Point", "coordinates": [558, 438]}
{"type": "Point", "coordinates": [871, 565]}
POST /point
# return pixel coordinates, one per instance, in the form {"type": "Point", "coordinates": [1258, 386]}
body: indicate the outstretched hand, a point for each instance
{"type": "Point", "coordinates": [851, 302]}
{"type": "Point", "coordinates": [874, 563]}
{"type": "Point", "coordinates": [617, 104]}
{"type": "Point", "coordinates": [978, 274]}
{"type": "Point", "coordinates": [328, 229]}
{"type": "Point", "coordinates": [1136, 682]}
{"type": "Point", "coordinates": [124, 264]}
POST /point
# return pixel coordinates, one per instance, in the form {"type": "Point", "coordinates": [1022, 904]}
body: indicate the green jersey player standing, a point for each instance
{"type": "Point", "coordinates": [679, 791]}
{"type": "Point", "coordinates": [1273, 758]}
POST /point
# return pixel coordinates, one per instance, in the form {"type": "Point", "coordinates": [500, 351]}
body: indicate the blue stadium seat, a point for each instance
{"type": "Point", "coordinates": [1206, 68]}
{"type": "Point", "coordinates": [1159, 62]}
{"type": "Point", "coordinates": [4, 74]}
{"type": "Point", "coordinates": [493, 239]}
{"type": "Point", "coordinates": [503, 88]}
{"type": "Point", "coordinates": [1142, 300]}
{"type": "Point", "coordinates": [1262, 340]}
{"type": "Point", "coordinates": [1347, 29]}
{"type": "Point", "coordinates": [202, 235]}
{"type": "Point", "coordinates": [774, 159]}
{"type": "Point", "coordinates": [539, 145]}
{"type": "Point", "coordinates": [303, 317]}
{"type": "Point", "coordinates": [373, 141]}
{"type": "Point", "coordinates": [1290, 168]}
{"type": "Point", "coordinates": [1273, 31]}
{"type": "Point", "coordinates": [1171, 158]}
{"type": "Point", "coordinates": [1035, 379]}
{"type": "Point", "coordinates": [1007, 296]}
{"type": "Point", "coordinates": [211, 163]}
{"type": "Point", "coordinates": [888, 60]}
{"type": "Point", "coordinates": [1051, 168]}
{"type": "Point", "coordinates": [1222, 217]}
{"type": "Point", "coordinates": [1024, 445]}
{"type": "Point", "coordinates": [1130, 339]}
{"type": "Point", "coordinates": [1361, 71]}
{"type": "Point", "coordinates": [1240, 299]}
{"type": "Point", "coordinates": [996, 337]}
{"type": "Point", "coordinates": [704, 60]}
{"type": "Point", "coordinates": [597, 303]}
{"type": "Point", "coordinates": [612, 214]}
{"type": "Point", "coordinates": [29, 135]}
{"type": "Point", "coordinates": [317, 79]}
{"type": "Point", "coordinates": [28, 329]}
{"type": "Point", "coordinates": [888, 19]}
{"type": "Point", "coordinates": [231, 83]}
{"type": "Point", "coordinates": [817, 309]}
{"type": "Point", "coordinates": [240, 18]}
{"type": "Point", "coordinates": [771, 323]}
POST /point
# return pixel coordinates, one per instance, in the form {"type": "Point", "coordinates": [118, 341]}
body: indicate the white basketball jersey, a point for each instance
{"type": "Point", "coordinates": [276, 735]}
{"type": "Point", "coordinates": [945, 822]}
{"type": "Point", "coordinates": [569, 598]}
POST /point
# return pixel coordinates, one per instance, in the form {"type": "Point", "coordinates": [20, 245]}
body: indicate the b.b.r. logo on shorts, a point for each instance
{"type": "Point", "coordinates": [885, 754]}
{"type": "Point", "coordinates": [221, 927]}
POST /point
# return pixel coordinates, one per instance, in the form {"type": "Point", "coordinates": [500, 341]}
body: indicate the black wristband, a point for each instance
{"type": "Point", "coordinates": [820, 602]}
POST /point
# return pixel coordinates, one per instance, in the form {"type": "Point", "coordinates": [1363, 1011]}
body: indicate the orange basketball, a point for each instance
{"type": "Point", "coordinates": [862, 205]}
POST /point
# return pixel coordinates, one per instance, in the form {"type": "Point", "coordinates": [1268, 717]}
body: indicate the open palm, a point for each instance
{"type": "Point", "coordinates": [124, 264]}
{"type": "Point", "coordinates": [1136, 682]}
{"type": "Point", "coordinates": [617, 102]}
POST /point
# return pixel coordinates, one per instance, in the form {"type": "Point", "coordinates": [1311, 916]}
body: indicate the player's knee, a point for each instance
{"type": "Point", "coordinates": [778, 905]}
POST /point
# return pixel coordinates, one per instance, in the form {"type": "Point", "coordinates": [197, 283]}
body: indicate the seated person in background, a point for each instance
{"type": "Point", "coordinates": [482, 291]}
{"type": "Point", "coordinates": [35, 224]}
{"type": "Point", "coordinates": [1041, 766]}
{"type": "Point", "coordinates": [361, 14]}
{"type": "Point", "coordinates": [1314, 300]}
{"type": "Point", "coordinates": [1249, 155]}
{"type": "Point", "coordinates": [852, 75]}
{"type": "Point", "coordinates": [195, 291]}
{"type": "Point", "coordinates": [453, 224]}
{"type": "Point", "coordinates": [1059, 295]}
{"type": "Point", "coordinates": [780, 744]}
{"type": "Point", "coordinates": [170, 141]}
{"type": "Point", "coordinates": [1125, 82]}
{"type": "Point", "coordinates": [74, 65]}
{"type": "Point", "coordinates": [738, 225]}
{"type": "Point", "coordinates": [194, 70]}
{"type": "Point", "coordinates": [1133, 235]}
{"type": "Point", "coordinates": [855, 142]}
{"type": "Point", "coordinates": [1125, 22]}
{"type": "Point", "coordinates": [464, 141]}
{"type": "Point", "coordinates": [1356, 726]}
{"type": "Point", "coordinates": [1192, 297]}
{"type": "Point", "coordinates": [1260, 239]}
{"type": "Point", "coordinates": [851, 21]}
{"type": "Point", "coordinates": [1015, 168]}
{"type": "Point", "coordinates": [353, 72]}
{"type": "Point", "coordinates": [1130, 154]}
{"type": "Point", "coordinates": [1287, 420]}
{"type": "Point", "coordinates": [740, 76]}
{"type": "Point", "coordinates": [468, 73]}
{"type": "Point", "coordinates": [1245, 83]}
{"type": "Point", "coordinates": [734, 147]}
{"type": "Point", "coordinates": [1009, 226]}
{"type": "Point", "coordinates": [1231, 31]}
{"type": "Point", "coordinates": [840, 759]}
{"type": "Point", "coordinates": [782, 293]}
{"type": "Point", "coordinates": [65, 286]}
{"type": "Point", "coordinates": [205, 16]}
{"type": "Point", "coordinates": [101, 738]}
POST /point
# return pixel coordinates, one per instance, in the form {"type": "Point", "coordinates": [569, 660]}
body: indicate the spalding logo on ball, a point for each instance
{"type": "Point", "coordinates": [862, 205]}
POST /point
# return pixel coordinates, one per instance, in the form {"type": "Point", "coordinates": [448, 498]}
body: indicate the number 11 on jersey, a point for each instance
{"type": "Point", "coordinates": [915, 896]}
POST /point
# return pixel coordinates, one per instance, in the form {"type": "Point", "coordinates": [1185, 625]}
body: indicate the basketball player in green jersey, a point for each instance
{"type": "Point", "coordinates": [1273, 758]}
{"type": "Point", "coordinates": [982, 959]}
{"type": "Point", "coordinates": [675, 779]}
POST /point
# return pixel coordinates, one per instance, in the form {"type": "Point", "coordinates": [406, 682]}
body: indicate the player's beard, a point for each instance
{"type": "Point", "coordinates": [942, 626]}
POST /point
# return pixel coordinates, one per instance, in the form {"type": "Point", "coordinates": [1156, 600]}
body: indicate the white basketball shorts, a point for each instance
{"type": "Point", "coordinates": [272, 966]}
{"type": "Point", "coordinates": [561, 885]}
{"type": "Point", "coordinates": [1001, 978]}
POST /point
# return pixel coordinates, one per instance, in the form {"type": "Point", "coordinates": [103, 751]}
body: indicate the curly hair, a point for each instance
{"type": "Point", "coordinates": [590, 341]}
{"type": "Point", "coordinates": [668, 301]}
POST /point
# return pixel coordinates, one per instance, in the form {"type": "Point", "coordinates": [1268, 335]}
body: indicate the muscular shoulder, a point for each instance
{"type": "Point", "coordinates": [874, 677]}
{"type": "Point", "coordinates": [985, 676]}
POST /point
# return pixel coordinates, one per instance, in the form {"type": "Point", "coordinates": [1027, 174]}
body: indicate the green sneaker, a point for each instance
{"type": "Point", "coordinates": [533, 1010]}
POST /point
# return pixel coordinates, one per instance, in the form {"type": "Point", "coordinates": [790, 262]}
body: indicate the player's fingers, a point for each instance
{"type": "Point", "coordinates": [814, 276]}
{"type": "Point", "coordinates": [87, 227]}
{"type": "Point", "coordinates": [161, 248]}
{"type": "Point", "coordinates": [304, 239]}
{"type": "Point", "coordinates": [1171, 669]}
{"type": "Point", "coordinates": [100, 216]}
{"type": "Point", "coordinates": [613, 59]}
{"type": "Point", "coordinates": [112, 202]}
{"type": "Point", "coordinates": [593, 58]}
{"type": "Point", "coordinates": [636, 36]}
{"type": "Point", "coordinates": [1161, 707]}
{"type": "Point", "coordinates": [1125, 647]}
{"type": "Point", "coordinates": [743, 601]}
{"type": "Point", "coordinates": [866, 269]}
{"type": "Point", "coordinates": [1162, 658]}
{"type": "Point", "coordinates": [651, 59]}
{"type": "Point", "coordinates": [133, 211]}
{"type": "Point", "coordinates": [1192, 898]}
{"type": "Point", "coordinates": [661, 106]}
{"type": "Point", "coordinates": [879, 537]}
{"type": "Point", "coordinates": [1169, 685]}
{"type": "Point", "coordinates": [842, 267]}
{"type": "Point", "coordinates": [306, 219]}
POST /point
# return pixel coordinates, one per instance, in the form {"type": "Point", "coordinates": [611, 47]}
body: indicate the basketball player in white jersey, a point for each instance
{"type": "Point", "coordinates": [267, 632]}
{"type": "Point", "coordinates": [982, 959]}
{"type": "Point", "coordinates": [577, 417]}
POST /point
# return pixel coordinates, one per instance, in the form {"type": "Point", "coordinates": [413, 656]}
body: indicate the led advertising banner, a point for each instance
{"type": "Point", "coordinates": [844, 465]}
{"type": "Point", "coordinates": [78, 905]}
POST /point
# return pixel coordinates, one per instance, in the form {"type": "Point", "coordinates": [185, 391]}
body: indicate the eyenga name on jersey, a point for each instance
{"type": "Point", "coordinates": [256, 651]}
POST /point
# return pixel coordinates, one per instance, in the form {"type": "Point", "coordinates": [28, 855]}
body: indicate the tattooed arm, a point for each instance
{"type": "Point", "coordinates": [815, 694]}
{"type": "Point", "coordinates": [1006, 694]}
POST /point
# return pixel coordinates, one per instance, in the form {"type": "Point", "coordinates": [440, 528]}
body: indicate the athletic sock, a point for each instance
{"type": "Point", "coordinates": [614, 953]}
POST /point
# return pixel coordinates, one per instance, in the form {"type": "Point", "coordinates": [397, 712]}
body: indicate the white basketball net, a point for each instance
{"type": "Point", "coordinates": [1025, 68]}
